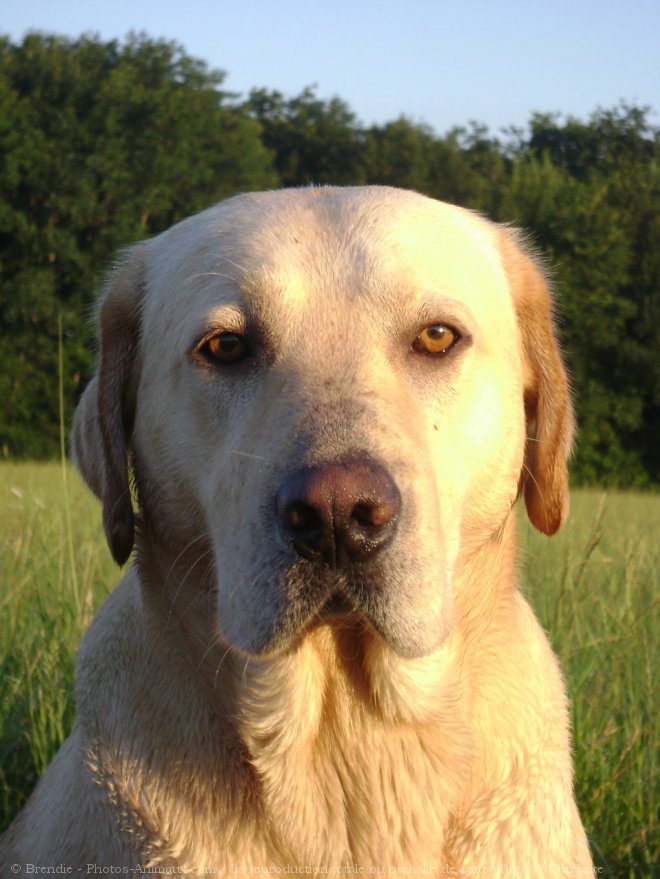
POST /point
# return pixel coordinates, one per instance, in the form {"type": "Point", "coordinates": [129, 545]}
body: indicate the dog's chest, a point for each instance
{"type": "Point", "coordinates": [349, 788]}
{"type": "Point", "coordinates": [381, 801]}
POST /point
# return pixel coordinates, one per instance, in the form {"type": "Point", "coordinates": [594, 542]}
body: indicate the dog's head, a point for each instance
{"type": "Point", "coordinates": [333, 392]}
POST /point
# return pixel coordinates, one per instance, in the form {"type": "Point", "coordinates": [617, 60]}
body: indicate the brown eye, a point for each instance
{"type": "Point", "coordinates": [436, 339]}
{"type": "Point", "coordinates": [225, 348]}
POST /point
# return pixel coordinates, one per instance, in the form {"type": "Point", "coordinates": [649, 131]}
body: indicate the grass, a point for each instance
{"type": "Point", "coordinates": [593, 587]}
{"type": "Point", "coordinates": [55, 571]}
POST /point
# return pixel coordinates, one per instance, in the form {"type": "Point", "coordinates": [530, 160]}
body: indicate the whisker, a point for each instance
{"type": "Point", "coordinates": [248, 455]}
{"type": "Point", "coordinates": [224, 656]}
{"type": "Point", "coordinates": [533, 478]}
{"type": "Point", "coordinates": [195, 277]}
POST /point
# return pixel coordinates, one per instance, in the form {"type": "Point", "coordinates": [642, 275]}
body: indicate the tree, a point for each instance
{"type": "Point", "coordinates": [101, 144]}
{"type": "Point", "coordinates": [591, 194]}
{"type": "Point", "coordinates": [401, 153]}
{"type": "Point", "coordinates": [313, 141]}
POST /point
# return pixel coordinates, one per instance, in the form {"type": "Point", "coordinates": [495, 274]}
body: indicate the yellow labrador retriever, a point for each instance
{"type": "Point", "coordinates": [319, 661]}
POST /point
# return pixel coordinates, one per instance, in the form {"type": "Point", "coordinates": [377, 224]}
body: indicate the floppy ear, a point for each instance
{"type": "Point", "coordinates": [103, 421]}
{"type": "Point", "coordinates": [548, 407]}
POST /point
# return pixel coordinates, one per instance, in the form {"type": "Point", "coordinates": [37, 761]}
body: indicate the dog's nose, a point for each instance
{"type": "Point", "coordinates": [340, 511]}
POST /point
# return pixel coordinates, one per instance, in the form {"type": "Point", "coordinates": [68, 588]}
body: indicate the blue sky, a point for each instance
{"type": "Point", "coordinates": [443, 62]}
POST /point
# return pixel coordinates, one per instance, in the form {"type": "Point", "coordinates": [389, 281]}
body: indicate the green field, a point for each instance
{"type": "Point", "coordinates": [593, 587]}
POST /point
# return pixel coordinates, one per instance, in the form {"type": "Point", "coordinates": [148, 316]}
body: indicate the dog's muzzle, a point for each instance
{"type": "Point", "coordinates": [339, 512]}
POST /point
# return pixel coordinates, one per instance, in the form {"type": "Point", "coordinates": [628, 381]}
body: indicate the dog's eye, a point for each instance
{"type": "Point", "coordinates": [225, 348]}
{"type": "Point", "coordinates": [435, 339]}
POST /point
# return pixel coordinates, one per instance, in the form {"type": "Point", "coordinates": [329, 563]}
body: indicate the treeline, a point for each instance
{"type": "Point", "coordinates": [103, 143]}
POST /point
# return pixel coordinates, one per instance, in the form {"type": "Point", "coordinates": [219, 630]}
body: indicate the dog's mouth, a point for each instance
{"type": "Point", "coordinates": [338, 612]}
{"type": "Point", "coordinates": [337, 605]}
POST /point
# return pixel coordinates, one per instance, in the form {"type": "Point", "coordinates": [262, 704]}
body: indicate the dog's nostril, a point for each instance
{"type": "Point", "coordinates": [363, 515]}
{"type": "Point", "coordinates": [308, 530]}
{"type": "Point", "coordinates": [302, 518]}
{"type": "Point", "coordinates": [372, 516]}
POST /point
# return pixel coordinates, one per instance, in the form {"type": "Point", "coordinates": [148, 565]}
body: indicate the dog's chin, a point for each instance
{"type": "Point", "coordinates": [408, 639]}
{"type": "Point", "coordinates": [304, 596]}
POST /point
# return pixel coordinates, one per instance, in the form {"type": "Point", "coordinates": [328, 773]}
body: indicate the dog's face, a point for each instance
{"type": "Point", "coordinates": [331, 390]}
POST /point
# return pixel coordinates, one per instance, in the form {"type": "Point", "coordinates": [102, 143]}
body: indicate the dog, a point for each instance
{"type": "Point", "coordinates": [313, 414]}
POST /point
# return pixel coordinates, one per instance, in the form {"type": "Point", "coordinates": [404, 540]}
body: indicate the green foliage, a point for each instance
{"type": "Point", "coordinates": [313, 141]}
{"type": "Point", "coordinates": [403, 154]}
{"type": "Point", "coordinates": [591, 195]}
{"type": "Point", "coordinates": [102, 144]}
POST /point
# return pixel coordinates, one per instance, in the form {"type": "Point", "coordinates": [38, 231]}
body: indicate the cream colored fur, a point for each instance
{"type": "Point", "coordinates": [427, 730]}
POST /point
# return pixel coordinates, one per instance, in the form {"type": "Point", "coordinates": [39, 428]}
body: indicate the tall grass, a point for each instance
{"type": "Point", "coordinates": [593, 587]}
{"type": "Point", "coordinates": [55, 570]}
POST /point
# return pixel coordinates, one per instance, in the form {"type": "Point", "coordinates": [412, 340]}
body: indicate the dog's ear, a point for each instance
{"type": "Point", "coordinates": [103, 421]}
{"type": "Point", "coordinates": [548, 407]}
